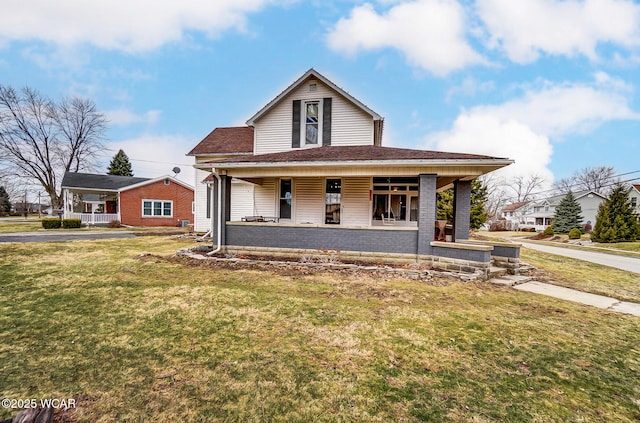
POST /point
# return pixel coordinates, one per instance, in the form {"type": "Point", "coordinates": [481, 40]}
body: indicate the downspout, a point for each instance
{"type": "Point", "coordinates": [219, 233]}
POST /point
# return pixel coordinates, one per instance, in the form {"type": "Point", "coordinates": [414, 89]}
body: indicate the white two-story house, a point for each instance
{"type": "Point", "coordinates": [309, 172]}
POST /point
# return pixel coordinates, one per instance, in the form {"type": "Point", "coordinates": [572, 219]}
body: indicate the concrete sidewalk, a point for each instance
{"type": "Point", "coordinates": [568, 294]}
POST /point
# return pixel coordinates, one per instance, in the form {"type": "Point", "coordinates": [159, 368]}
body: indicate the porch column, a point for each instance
{"type": "Point", "coordinates": [426, 213]}
{"type": "Point", "coordinates": [225, 187]}
{"type": "Point", "coordinates": [461, 209]}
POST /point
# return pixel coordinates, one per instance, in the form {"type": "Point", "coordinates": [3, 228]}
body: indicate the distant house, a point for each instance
{"type": "Point", "coordinates": [539, 214]}
{"type": "Point", "coordinates": [516, 215]}
{"type": "Point", "coordinates": [634, 197]}
{"type": "Point", "coordinates": [99, 199]}
{"type": "Point", "coordinates": [309, 172]}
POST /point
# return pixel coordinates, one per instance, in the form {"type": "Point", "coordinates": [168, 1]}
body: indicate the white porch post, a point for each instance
{"type": "Point", "coordinates": [118, 207]}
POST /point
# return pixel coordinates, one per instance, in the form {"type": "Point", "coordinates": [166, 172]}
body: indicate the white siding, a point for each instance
{"type": "Point", "coordinates": [309, 200]}
{"type": "Point", "coordinates": [241, 200]}
{"type": "Point", "coordinates": [350, 125]}
{"type": "Point", "coordinates": [589, 207]}
{"type": "Point", "coordinates": [356, 206]}
{"type": "Point", "coordinates": [201, 224]}
{"type": "Point", "coordinates": [264, 198]}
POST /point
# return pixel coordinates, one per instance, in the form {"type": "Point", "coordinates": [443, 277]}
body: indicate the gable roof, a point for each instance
{"type": "Point", "coordinates": [232, 140]}
{"type": "Point", "coordinates": [350, 154]}
{"type": "Point", "coordinates": [101, 182]}
{"type": "Point", "coordinates": [556, 199]}
{"type": "Point", "coordinates": [515, 206]}
{"type": "Point", "coordinates": [154, 180]}
{"type": "Point", "coordinates": [312, 73]}
{"type": "Point", "coordinates": [113, 183]}
{"type": "Point", "coordinates": [637, 187]}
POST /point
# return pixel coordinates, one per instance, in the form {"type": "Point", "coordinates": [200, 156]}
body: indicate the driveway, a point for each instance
{"type": "Point", "coordinates": [630, 264]}
{"type": "Point", "coordinates": [62, 236]}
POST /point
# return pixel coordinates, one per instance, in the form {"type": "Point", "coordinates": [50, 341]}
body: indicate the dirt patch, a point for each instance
{"type": "Point", "coordinates": [290, 269]}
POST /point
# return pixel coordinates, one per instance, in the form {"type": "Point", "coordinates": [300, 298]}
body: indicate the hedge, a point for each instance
{"type": "Point", "coordinates": [71, 223]}
{"type": "Point", "coordinates": [51, 223]}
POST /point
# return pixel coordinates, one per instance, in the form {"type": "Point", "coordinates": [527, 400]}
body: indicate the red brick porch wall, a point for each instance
{"type": "Point", "coordinates": [131, 204]}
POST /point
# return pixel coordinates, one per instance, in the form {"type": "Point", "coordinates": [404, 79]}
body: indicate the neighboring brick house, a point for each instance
{"type": "Point", "coordinates": [99, 199]}
{"type": "Point", "coordinates": [309, 171]}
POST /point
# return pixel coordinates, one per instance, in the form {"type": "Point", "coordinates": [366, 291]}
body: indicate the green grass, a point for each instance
{"type": "Point", "coordinates": [584, 276]}
{"type": "Point", "coordinates": [624, 246]}
{"type": "Point", "coordinates": [19, 226]}
{"type": "Point", "coordinates": [153, 339]}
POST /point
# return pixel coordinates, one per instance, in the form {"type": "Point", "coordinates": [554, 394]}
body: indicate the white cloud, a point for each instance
{"type": "Point", "coordinates": [560, 109]}
{"type": "Point", "coordinates": [478, 133]}
{"type": "Point", "coordinates": [131, 26]}
{"type": "Point", "coordinates": [430, 33]}
{"type": "Point", "coordinates": [524, 129]}
{"type": "Point", "coordinates": [156, 155]}
{"type": "Point", "coordinates": [124, 117]}
{"type": "Point", "coordinates": [527, 28]}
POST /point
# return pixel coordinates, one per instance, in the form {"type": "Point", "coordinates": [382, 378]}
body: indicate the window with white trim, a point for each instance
{"type": "Point", "coordinates": [312, 113]}
{"type": "Point", "coordinates": [157, 208]}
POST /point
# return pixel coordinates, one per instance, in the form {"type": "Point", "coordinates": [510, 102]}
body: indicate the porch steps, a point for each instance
{"type": "Point", "coordinates": [497, 272]}
{"type": "Point", "coordinates": [509, 280]}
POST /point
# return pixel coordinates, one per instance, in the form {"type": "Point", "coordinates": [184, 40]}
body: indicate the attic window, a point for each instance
{"type": "Point", "coordinates": [313, 87]}
{"type": "Point", "coordinates": [167, 182]}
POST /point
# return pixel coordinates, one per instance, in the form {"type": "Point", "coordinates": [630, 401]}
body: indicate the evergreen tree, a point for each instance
{"type": "Point", "coordinates": [120, 165]}
{"type": "Point", "coordinates": [568, 215]}
{"type": "Point", "coordinates": [479, 196]}
{"type": "Point", "coordinates": [478, 214]}
{"type": "Point", "coordinates": [5, 202]}
{"type": "Point", "coordinates": [615, 221]}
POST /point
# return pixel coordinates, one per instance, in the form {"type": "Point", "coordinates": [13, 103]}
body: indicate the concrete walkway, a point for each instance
{"type": "Point", "coordinates": [630, 264]}
{"type": "Point", "coordinates": [523, 283]}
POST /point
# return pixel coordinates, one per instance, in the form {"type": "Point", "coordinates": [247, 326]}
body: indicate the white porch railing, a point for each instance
{"type": "Point", "coordinates": [94, 218]}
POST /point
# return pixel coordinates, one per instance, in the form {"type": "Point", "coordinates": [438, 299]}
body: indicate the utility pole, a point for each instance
{"type": "Point", "coordinates": [26, 211]}
{"type": "Point", "coordinates": [39, 207]}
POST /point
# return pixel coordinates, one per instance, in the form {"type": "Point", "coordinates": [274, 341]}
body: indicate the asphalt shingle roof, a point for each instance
{"type": "Point", "coordinates": [352, 153]}
{"type": "Point", "coordinates": [95, 181]}
{"type": "Point", "coordinates": [233, 140]}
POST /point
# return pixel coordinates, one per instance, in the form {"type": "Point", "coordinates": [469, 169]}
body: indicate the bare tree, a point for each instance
{"type": "Point", "coordinates": [599, 179]}
{"type": "Point", "coordinates": [497, 197]}
{"type": "Point", "coordinates": [524, 187]}
{"type": "Point", "coordinates": [41, 140]}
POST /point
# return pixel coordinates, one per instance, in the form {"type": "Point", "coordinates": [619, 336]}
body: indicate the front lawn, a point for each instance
{"type": "Point", "coordinates": [584, 276]}
{"type": "Point", "coordinates": [149, 338]}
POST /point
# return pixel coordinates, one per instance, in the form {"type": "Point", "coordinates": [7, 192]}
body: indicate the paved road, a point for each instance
{"type": "Point", "coordinates": [630, 264]}
{"type": "Point", "coordinates": [61, 236]}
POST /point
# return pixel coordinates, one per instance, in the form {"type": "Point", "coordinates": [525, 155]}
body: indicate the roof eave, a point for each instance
{"type": "Point", "coordinates": [343, 163]}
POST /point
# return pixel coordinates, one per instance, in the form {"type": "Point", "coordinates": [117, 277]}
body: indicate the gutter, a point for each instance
{"type": "Point", "coordinates": [343, 163]}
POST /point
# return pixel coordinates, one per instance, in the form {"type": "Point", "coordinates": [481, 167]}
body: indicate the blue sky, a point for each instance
{"type": "Point", "coordinates": [551, 84]}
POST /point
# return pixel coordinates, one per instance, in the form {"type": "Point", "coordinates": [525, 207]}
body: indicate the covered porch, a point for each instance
{"type": "Point", "coordinates": [363, 200]}
{"type": "Point", "coordinates": [92, 207]}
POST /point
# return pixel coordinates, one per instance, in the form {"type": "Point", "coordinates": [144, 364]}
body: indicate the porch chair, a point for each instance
{"type": "Point", "coordinates": [390, 220]}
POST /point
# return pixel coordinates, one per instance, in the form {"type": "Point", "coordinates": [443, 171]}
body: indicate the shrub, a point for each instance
{"type": "Point", "coordinates": [575, 233]}
{"type": "Point", "coordinates": [548, 230]}
{"type": "Point", "coordinates": [51, 223]}
{"type": "Point", "coordinates": [71, 223]}
{"type": "Point", "coordinates": [114, 224]}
